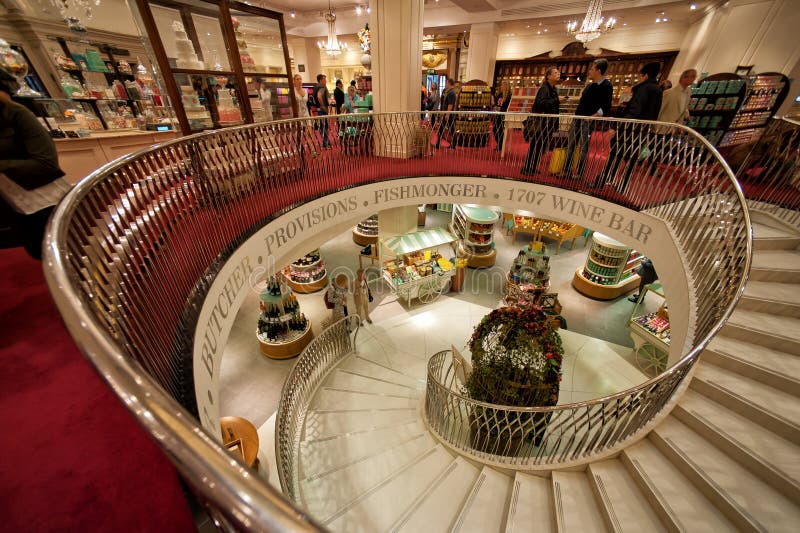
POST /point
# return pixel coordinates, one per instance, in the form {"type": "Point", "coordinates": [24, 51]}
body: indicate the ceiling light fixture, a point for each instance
{"type": "Point", "coordinates": [692, 6]}
{"type": "Point", "coordinates": [358, 10]}
{"type": "Point", "coordinates": [292, 13]}
{"type": "Point", "coordinates": [593, 25]}
{"type": "Point", "coordinates": [331, 46]}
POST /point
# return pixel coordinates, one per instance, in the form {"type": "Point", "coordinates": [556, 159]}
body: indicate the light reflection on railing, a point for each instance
{"type": "Point", "coordinates": [133, 248]}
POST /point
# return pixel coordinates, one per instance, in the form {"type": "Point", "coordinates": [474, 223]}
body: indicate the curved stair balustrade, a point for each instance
{"type": "Point", "coordinates": [133, 247]}
{"type": "Point", "coordinates": [321, 355]}
{"type": "Point", "coordinates": [539, 438]}
{"type": "Point", "coordinates": [769, 170]}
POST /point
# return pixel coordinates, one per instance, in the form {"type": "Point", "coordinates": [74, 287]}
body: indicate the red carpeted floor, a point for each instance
{"type": "Point", "coordinates": [73, 458]}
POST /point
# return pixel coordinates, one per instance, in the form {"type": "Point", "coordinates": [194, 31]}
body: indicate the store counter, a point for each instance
{"type": "Point", "coordinates": [79, 157]}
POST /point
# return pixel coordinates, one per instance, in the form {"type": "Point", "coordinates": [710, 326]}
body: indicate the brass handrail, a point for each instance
{"type": "Point", "coordinates": [134, 246]}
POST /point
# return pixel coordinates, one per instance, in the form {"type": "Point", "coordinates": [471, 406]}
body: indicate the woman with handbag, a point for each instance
{"type": "Point", "coordinates": [362, 296]}
{"type": "Point", "coordinates": [336, 298]}
{"type": "Point", "coordinates": [547, 102]}
{"type": "Point", "coordinates": [501, 101]}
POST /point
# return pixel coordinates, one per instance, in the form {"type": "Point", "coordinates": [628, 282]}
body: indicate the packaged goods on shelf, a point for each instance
{"type": "Point", "coordinates": [280, 320]}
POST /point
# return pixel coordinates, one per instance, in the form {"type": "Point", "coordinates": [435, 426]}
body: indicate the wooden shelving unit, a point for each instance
{"type": "Point", "coordinates": [765, 94]}
{"type": "Point", "coordinates": [609, 271]}
{"type": "Point", "coordinates": [307, 274]}
{"type": "Point", "coordinates": [473, 131]}
{"type": "Point", "coordinates": [474, 226]}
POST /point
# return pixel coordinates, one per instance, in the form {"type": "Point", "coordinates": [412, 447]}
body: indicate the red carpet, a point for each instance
{"type": "Point", "coordinates": [73, 459]}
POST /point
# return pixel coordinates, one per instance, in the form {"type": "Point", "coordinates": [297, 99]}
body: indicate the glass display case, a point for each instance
{"type": "Point", "coordinates": [227, 61]}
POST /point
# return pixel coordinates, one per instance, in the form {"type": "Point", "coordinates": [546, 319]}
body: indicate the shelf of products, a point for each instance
{"type": "Point", "coordinates": [307, 274]}
{"type": "Point", "coordinates": [418, 270]}
{"type": "Point", "coordinates": [474, 226]}
{"type": "Point", "coordinates": [623, 70]}
{"type": "Point", "coordinates": [556, 230]}
{"type": "Point", "coordinates": [651, 333]}
{"type": "Point", "coordinates": [714, 103]}
{"type": "Point", "coordinates": [223, 65]}
{"type": "Point", "coordinates": [609, 271]}
{"type": "Point", "coordinates": [765, 94]}
{"type": "Point", "coordinates": [283, 331]}
{"type": "Point", "coordinates": [473, 131]}
{"type": "Point", "coordinates": [104, 91]}
{"type": "Point", "coordinates": [366, 231]}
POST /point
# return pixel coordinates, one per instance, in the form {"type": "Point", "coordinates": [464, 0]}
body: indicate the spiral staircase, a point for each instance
{"type": "Point", "coordinates": [725, 459]}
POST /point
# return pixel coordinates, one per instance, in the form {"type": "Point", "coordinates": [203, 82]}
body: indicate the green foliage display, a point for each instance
{"type": "Point", "coordinates": [516, 359]}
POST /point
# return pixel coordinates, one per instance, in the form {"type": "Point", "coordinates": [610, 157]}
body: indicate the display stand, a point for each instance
{"type": "Point", "coordinates": [307, 274]}
{"type": "Point", "coordinates": [544, 227]}
{"type": "Point", "coordinates": [473, 130]}
{"type": "Point", "coordinates": [282, 331]}
{"type": "Point", "coordinates": [522, 99]}
{"type": "Point", "coordinates": [610, 269]}
{"type": "Point", "coordinates": [474, 227]}
{"type": "Point", "coordinates": [651, 333]}
{"type": "Point", "coordinates": [366, 231]}
{"type": "Point", "coordinates": [714, 103]}
{"type": "Point", "coordinates": [528, 279]}
{"type": "Point", "coordinates": [417, 270]}
{"type": "Point", "coordinates": [765, 94]}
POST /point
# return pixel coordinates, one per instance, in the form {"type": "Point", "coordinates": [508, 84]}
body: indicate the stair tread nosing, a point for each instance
{"type": "Point", "coordinates": [753, 499]}
{"type": "Point", "coordinates": [378, 509]}
{"type": "Point", "coordinates": [531, 503]}
{"type": "Point", "coordinates": [320, 425]}
{"type": "Point", "coordinates": [330, 399]}
{"type": "Point", "coordinates": [623, 503]}
{"type": "Point", "coordinates": [768, 399]}
{"type": "Point", "coordinates": [786, 327]}
{"type": "Point", "coordinates": [361, 364]}
{"type": "Point", "coordinates": [682, 502]}
{"type": "Point", "coordinates": [769, 290]}
{"type": "Point", "coordinates": [484, 509]}
{"type": "Point", "coordinates": [439, 508]}
{"type": "Point", "coordinates": [575, 506]}
{"type": "Point", "coordinates": [327, 493]}
{"type": "Point", "coordinates": [776, 259]}
{"type": "Point", "coordinates": [760, 356]}
{"type": "Point", "coordinates": [764, 445]}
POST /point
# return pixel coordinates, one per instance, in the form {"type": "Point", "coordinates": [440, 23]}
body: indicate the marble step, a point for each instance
{"type": "Point", "coordinates": [363, 365]}
{"type": "Point", "coordinates": [768, 407]}
{"type": "Point", "coordinates": [352, 380]}
{"type": "Point", "coordinates": [329, 492]}
{"type": "Point", "coordinates": [575, 506]}
{"type": "Point", "coordinates": [745, 499]}
{"type": "Point", "coordinates": [439, 505]}
{"type": "Point", "coordinates": [379, 508]}
{"type": "Point", "coordinates": [531, 503]}
{"type": "Point", "coordinates": [773, 331]}
{"type": "Point", "coordinates": [678, 502]}
{"type": "Point", "coordinates": [624, 507]}
{"type": "Point", "coordinates": [780, 266]}
{"type": "Point", "coordinates": [484, 510]}
{"type": "Point", "coordinates": [317, 456]}
{"type": "Point", "coordinates": [769, 297]}
{"type": "Point", "coordinates": [777, 369]}
{"type": "Point", "coordinates": [330, 399]}
{"type": "Point", "coordinates": [765, 454]}
{"type": "Point", "coordinates": [766, 237]}
{"type": "Point", "coordinates": [324, 424]}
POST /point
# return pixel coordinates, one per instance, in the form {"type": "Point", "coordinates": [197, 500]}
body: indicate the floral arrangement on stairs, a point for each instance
{"type": "Point", "coordinates": [516, 361]}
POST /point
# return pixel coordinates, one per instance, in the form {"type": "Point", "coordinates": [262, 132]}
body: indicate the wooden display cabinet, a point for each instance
{"type": "Point", "coordinates": [307, 274]}
{"type": "Point", "coordinates": [366, 231]}
{"type": "Point", "coordinates": [765, 94]}
{"type": "Point", "coordinates": [609, 271]}
{"type": "Point", "coordinates": [211, 72]}
{"type": "Point", "coordinates": [473, 130]}
{"type": "Point", "coordinates": [474, 226]}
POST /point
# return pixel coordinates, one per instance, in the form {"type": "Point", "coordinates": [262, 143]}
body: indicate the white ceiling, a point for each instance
{"type": "Point", "coordinates": [451, 16]}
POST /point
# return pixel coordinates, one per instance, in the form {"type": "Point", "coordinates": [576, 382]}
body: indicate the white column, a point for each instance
{"type": "Point", "coordinates": [482, 52]}
{"type": "Point", "coordinates": [396, 28]}
{"type": "Point", "coordinates": [313, 61]}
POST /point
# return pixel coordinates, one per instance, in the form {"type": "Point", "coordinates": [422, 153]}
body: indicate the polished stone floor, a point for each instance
{"type": "Point", "coordinates": [599, 356]}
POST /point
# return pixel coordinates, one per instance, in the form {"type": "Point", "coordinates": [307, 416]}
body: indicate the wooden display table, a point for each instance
{"type": "Point", "coordinates": [287, 350]}
{"type": "Point", "coordinates": [362, 239]}
{"type": "Point", "coordinates": [602, 292]}
{"type": "Point", "coordinates": [484, 260]}
{"type": "Point", "coordinates": [307, 288]}
{"type": "Point", "coordinates": [610, 269]}
{"type": "Point", "coordinates": [239, 435]}
{"type": "Point", "coordinates": [540, 228]}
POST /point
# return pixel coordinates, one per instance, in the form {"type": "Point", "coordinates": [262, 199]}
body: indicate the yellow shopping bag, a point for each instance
{"type": "Point", "coordinates": [558, 158]}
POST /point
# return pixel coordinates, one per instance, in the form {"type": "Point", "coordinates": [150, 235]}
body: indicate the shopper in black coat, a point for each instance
{"type": "Point", "coordinates": [647, 275]}
{"type": "Point", "coordinates": [547, 102]}
{"type": "Point", "coordinates": [595, 102]}
{"type": "Point", "coordinates": [630, 139]}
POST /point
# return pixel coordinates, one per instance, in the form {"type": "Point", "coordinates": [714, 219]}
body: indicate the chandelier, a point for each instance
{"type": "Point", "coordinates": [332, 47]}
{"type": "Point", "coordinates": [71, 11]}
{"type": "Point", "coordinates": [593, 25]}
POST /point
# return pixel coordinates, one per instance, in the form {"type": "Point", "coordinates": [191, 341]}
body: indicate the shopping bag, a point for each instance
{"type": "Point", "coordinates": [557, 160]}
